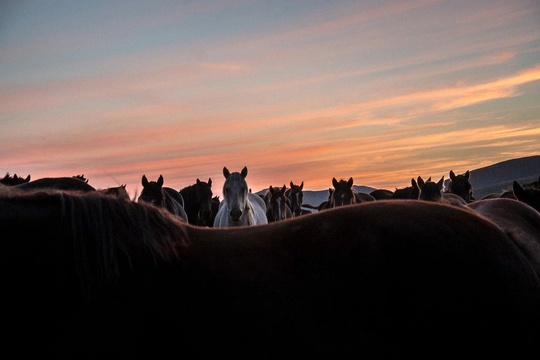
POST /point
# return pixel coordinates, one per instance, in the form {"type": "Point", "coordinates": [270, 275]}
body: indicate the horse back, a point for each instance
{"type": "Point", "coordinates": [377, 280]}
{"type": "Point", "coordinates": [60, 183]}
{"type": "Point", "coordinates": [383, 277]}
{"type": "Point", "coordinates": [520, 221]}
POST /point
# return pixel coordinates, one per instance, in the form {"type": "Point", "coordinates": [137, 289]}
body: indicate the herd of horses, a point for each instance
{"type": "Point", "coordinates": [421, 271]}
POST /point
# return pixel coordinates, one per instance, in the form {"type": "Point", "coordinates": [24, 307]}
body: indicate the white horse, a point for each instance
{"type": "Point", "coordinates": [239, 207]}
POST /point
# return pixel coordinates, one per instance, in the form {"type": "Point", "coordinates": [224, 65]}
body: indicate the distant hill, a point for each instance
{"type": "Point", "coordinates": [499, 177]}
{"type": "Point", "coordinates": [494, 178]}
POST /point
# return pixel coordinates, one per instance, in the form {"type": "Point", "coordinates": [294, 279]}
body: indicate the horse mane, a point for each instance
{"type": "Point", "coordinates": [112, 237]}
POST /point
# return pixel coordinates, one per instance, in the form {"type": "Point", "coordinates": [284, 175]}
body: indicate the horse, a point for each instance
{"type": "Point", "coordinates": [381, 194]}
{"type": "Point", "coordinates": [119, 192]}
{"type": "Point", "coordinates": [88, 276]}
{"type": "Point", "coordinates": [80, 177]}
{"type": "Point", "coordinates": [13, 180]}
{"type": "Point", "coordinates": [155, 193]}
{"type": "Point", "coordinates": [526, 191]}
{"type": "Point", "coordinates": [215, 208]}
{"type": "Point", "coordinates": [295, 194]}
{"type": "Point", "coordinates": [343, 194]}
{"type": "Point", "coordinates": [198, 202]}
{"type": "Point", "coordinates": [57, 183]}
{"type": "Point", "coordinates": [517, 219]}
{"type": "Point", "coordinates": [408, 192]}
{"type": "Point", "coordinates": [239, 207]}
{"type": "Point", "coordinates": [527, 194]}
{"type": "Point", "coordinates": [277, 204]}
{"type": "Point", "coordinates": [460, 185]}
{"type": "Point", "coordinates": [429, 190]}
{"type": "Point", "coordinates": [326, 204]}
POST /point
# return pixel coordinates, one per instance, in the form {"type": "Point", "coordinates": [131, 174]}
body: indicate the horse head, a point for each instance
{"type": "Point", "coordinates": [235, 193]}
{"type": "Point", "coordinates": [119, 192]}
{"type": "Point", "coordinates": [460, 186]}
{"type": "Point", "coordinates": [152, 192]}
{"type": "Point", "coordinates": [296, 197]}
{"type": "Point", "coordinates": [343, 193]}
{"type": "Point", "coordinates": [429, 190]}
{"type": "Point", "coordinates": [527, 194]}
{"type": "Point", "coordinates": [277, 204]}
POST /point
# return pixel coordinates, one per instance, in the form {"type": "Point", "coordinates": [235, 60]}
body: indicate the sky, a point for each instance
{"type": "Point", "coordinates": [380, 91]}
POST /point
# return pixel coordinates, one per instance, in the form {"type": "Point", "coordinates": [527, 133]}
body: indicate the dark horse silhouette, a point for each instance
{"type": "Point", "coordinates": [460, 186]}
{"type": "Point", "coordinates": [344, 194]}
{"type": "Point", "coordinates": [528, 194]}
{"type": "Point", "coordinates": [117, 191]}
{"type": "Point", "coordinates": [13, 180]}
{"type": "Point", "coordinates": [429, 190]}
{"type": "Point", "coordinates": [155, 193]}
{"type": "Point", "coordinates": [518, 220]}
{"type": "Point", "coordinates": [382, 194]}
{"type": "Point", "coordinates": [57, 183]}
{"type": "Point", "coordinates": [90, 276]}
{"type": "Point", "coordinates": [198, 202]}
{"type": "Point", "coordinates": [408, 192]}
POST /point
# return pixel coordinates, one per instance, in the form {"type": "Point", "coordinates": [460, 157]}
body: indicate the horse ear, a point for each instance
{"type": "Point", "coordinates": [350, 182]}
{"type": "Point", "coordinates": [283, 189]}
{"type": "Point", "coordinates": [452, 175]}
{"type": "Point", "coordinates": [209, 182]}
{"type": "Point", "coordinates": [413, 183]}
{"type": "Point", "coordinates": [518, 190]}
{"type": "Point", "coordinates": [244, 172]}
{"type": "Point", "coordinates": [440, 182]}
{"type": "Point", "coordinates": [144, 181]}
{"type": "Point", "coordinates": [271, 189]}
{"type": "Point", "coordinates": [291, 183]}
{"type": "Point", "coordinates": [467, 175]}
{"type": "Point", "coordinates": [160, 181]}
{"type": "Point", "coordinates": [302, 185]}
{"type": "Point", "coordinates": [198, 181]}
{"type": "Point", "coordinates": [334, 182]}
{"type": "Point", "coordinates": [27, 178]}
{"type": "Point", "coordinates": [226, 172]}
{"type": "Point", "coordinates": [420, 182]}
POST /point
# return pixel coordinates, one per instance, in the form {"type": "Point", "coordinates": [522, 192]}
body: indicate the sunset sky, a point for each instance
{"type": "Point", "coordinates": [380, 91]}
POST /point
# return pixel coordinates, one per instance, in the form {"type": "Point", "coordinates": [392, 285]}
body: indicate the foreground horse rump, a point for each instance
{"type": "Point", "coordinates": [89, 276]}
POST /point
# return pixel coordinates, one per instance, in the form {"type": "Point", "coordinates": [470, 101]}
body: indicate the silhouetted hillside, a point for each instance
{"type": "Point", "coordinates": [499, 177]}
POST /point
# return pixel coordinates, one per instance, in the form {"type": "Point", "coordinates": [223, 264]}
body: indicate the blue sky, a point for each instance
{"type": "Point", "coordinates": [381, 91]}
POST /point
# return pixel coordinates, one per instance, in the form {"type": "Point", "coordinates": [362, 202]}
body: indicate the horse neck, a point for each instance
{"type": "Point", "coordinates": [190, 204]}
